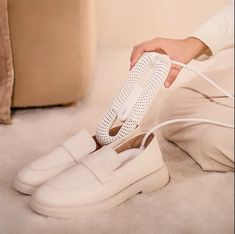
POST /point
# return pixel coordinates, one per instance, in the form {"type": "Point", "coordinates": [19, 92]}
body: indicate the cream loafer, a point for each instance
{"type": "Point", "coordinates": [65, 156]}
{"type": "Point", "coordinates": [104, 179]}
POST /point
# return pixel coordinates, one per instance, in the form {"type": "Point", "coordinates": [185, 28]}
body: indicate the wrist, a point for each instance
{"type": "Point", "coordinates": [198, 47]}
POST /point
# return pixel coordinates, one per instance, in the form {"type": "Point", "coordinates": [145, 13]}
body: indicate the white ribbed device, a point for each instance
{"type": "Point", "coordinates": [134, 97]}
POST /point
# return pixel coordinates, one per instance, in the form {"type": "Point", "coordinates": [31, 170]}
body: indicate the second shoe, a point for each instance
{"type": "Point", "coordinates": [29, 178]}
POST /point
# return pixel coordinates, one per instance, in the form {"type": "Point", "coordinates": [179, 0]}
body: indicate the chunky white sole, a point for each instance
{"type": "Point", "coordinates": [147, 184]}
{"type": "Point", "coordinates": [24, 188]}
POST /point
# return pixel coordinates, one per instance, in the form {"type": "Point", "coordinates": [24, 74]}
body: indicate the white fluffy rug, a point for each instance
{"type": "Point", "coordinates": [193, 202]}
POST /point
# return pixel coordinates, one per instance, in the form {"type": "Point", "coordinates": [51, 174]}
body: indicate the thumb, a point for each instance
{"type": "Point", "coordinates": [172, 76]}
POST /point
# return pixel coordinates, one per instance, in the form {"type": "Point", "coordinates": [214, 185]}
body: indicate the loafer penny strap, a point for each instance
{"type": "Point", "coordinates": [102, 164]}
{"type": "Point", "coordinates": [79, 145]}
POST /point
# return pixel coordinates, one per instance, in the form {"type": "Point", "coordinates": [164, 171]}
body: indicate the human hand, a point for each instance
{"type": "Point", "coordinates": [181, 50]}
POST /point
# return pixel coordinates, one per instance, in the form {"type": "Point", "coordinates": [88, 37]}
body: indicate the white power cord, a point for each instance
{"type": "Point", "coordinates": [196, 120]}
{"type": "Point", "coordinates": [173, 121]}
{"type": "Point", "coordinates": [203, 76]}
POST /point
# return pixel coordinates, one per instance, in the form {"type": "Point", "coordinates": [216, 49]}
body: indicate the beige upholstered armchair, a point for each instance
{"type": "Point", "coordinates": [52, 44]}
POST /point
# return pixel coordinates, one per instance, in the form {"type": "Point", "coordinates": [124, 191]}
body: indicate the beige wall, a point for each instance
{"type": "Point", "coordinates": [122, 23]}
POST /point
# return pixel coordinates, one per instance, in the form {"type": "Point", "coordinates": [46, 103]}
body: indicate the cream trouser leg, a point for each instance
{"type": "Point", "coordinates": [211, 146]}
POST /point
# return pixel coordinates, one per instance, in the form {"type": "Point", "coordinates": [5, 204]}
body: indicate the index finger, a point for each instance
{"type": "Point", "coordinates": [135, 55]}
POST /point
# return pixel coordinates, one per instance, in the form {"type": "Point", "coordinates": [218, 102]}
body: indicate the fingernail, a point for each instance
{"type": "Point", "coordinates": [167, 84]}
